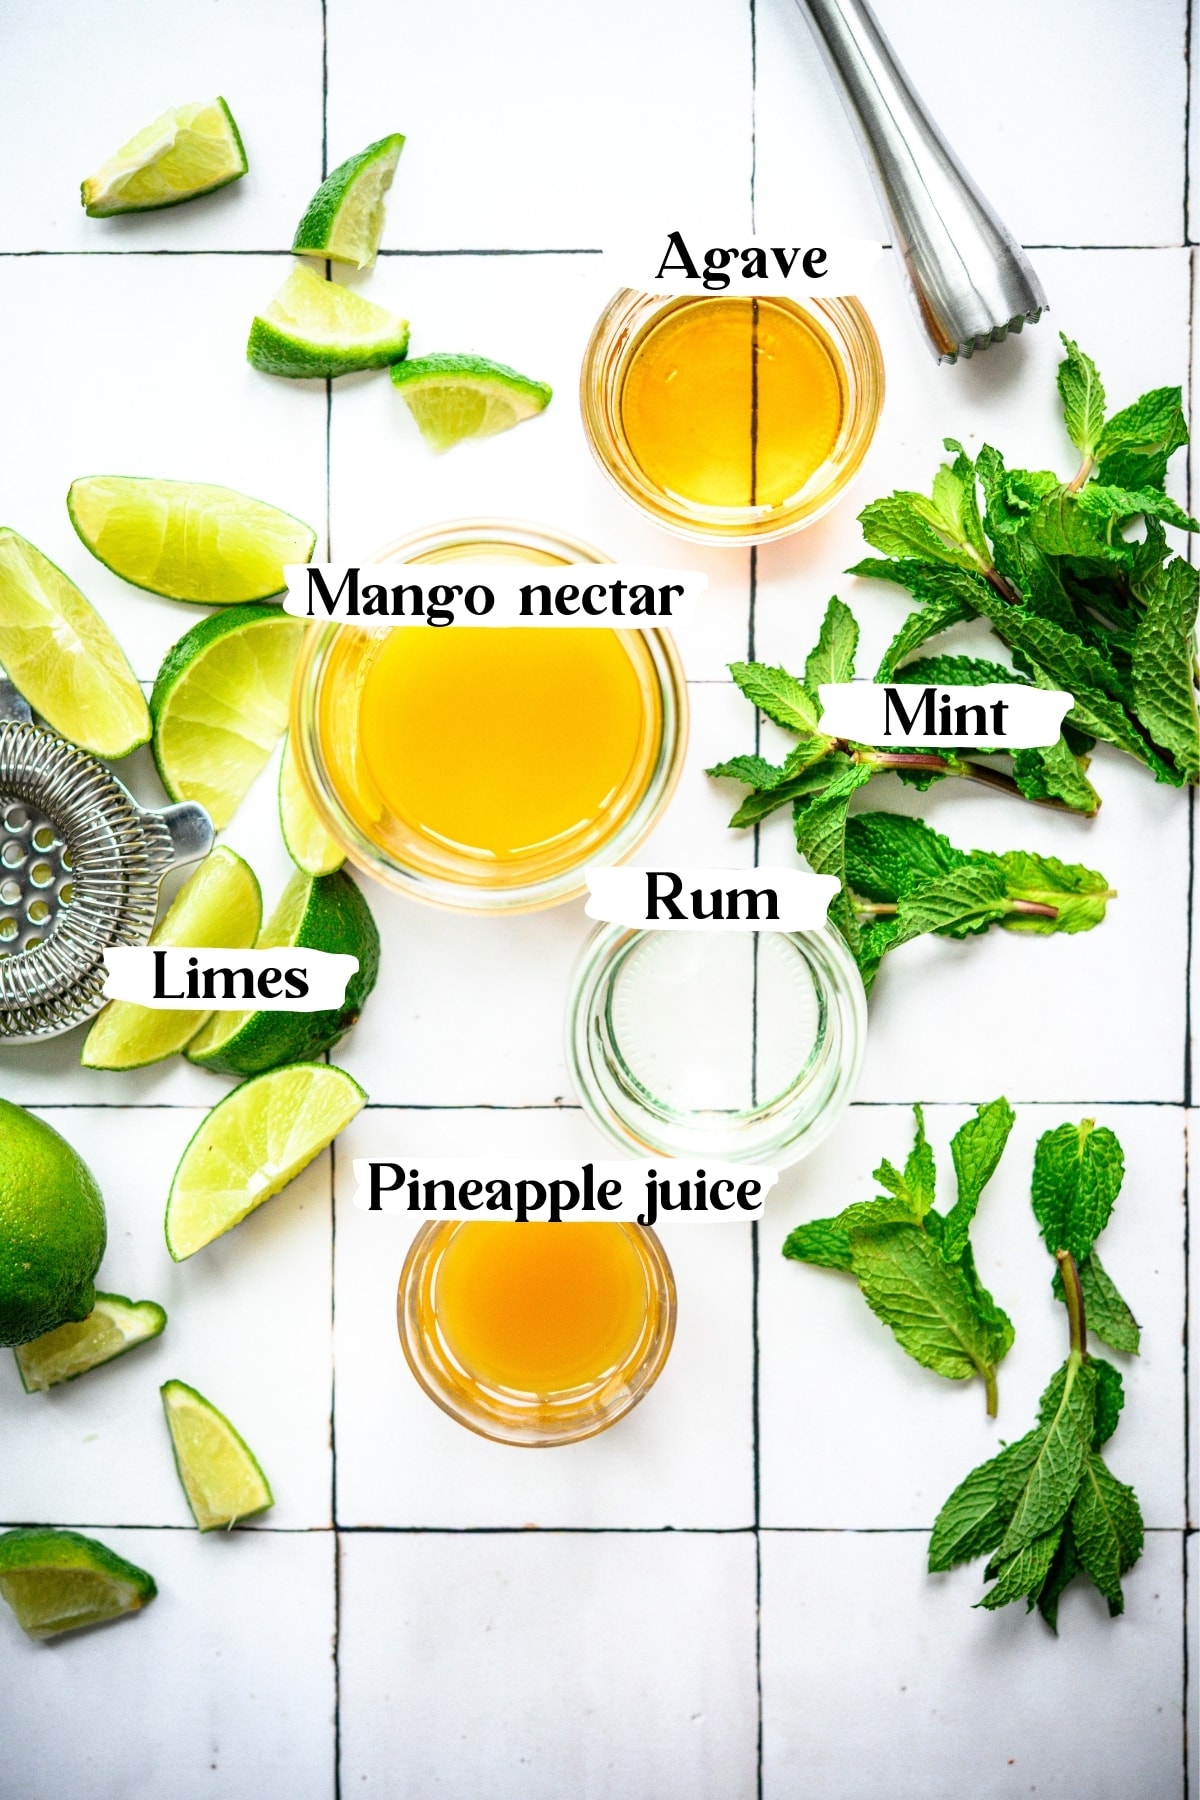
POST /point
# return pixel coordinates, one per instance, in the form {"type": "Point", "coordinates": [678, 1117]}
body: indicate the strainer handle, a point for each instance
{"type": "Point", "coordinates": [12, 706]}
{"type": "Point", "coordinates": [190, 830]}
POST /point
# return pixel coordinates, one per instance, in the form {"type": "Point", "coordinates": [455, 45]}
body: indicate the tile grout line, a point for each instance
{"type": "Point", "coordinates": [751, 633]}
{"type": "Point", "coordinates": [1189, 1724]}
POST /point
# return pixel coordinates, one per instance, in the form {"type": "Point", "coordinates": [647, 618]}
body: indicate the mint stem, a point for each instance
{"type": "Point", "coordinates": [1073, 1293]}
{"type": "Point", "coordinates": [993, 1398]}
{"type": "Point", "coordinates": [949, 765]}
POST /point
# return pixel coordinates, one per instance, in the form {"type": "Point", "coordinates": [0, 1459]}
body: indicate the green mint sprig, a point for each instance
{"type": "Point", "coordinates": [1048, 563]}
{"type": "Point", "coordinates": [913, 1264]}
{"type": "Point", "coordinates": [1048, 1508]}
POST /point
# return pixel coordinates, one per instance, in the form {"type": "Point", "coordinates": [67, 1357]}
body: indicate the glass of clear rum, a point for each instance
{"type": "Point", "coordinates": [731, 418]}
{"type": "Point", "coordinates": [484, 768]}
{"type": "Point", "coordinates": [536, 1334]}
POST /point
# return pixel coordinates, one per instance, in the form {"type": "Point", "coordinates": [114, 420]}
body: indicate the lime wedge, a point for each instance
{"type": "Point", "coordinates": [113, 1327]}
{"type": "Point", "coordinates": [315, 912]}
{"type": "Point", "coordinates": [59, 652]}
{"type": "Point", "coordinates": [457, 397]}
{"type": "Point", "coordinates": [59, 1581]}
{"type": "Point", "coordinates": [313, 327]}
{"type": "Point", "coordinates": [188, 540]}
{"type": "Point", "coordinates": [220, 705]}
{"type": "Point", "coordinates": [309, 845]}
{"type": "Point", "coordinates": [190, 151]}
{"type": "Point", "coordinates": [251, 1145]}
{"type": "Point", "coordinates": [218, 908]}
{"type": "Point", "coordinates": [343, 221]}
{"type": "Point", "coordinates": [220, 1476]}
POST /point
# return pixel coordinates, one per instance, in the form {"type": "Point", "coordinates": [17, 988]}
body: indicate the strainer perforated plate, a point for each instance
{"type": "Point", "coordinates": [80, 868]}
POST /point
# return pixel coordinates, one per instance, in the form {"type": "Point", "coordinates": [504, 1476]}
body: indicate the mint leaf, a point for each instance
{"type": "Point", "coordinates": [959, 904]}
{"type": "Point", "coordinates": [957, 671]}
{"type": "Point", "coordinates": [1054, 1474]}
{"type": "Point", "coordinates": [1056, 773]}
{"type": "Point", "coordinates": [889, 855]}
{"type": "Point", "coordinates": [1110, 1398]}
{"type": "Point", "coordinates": [1023, 1575]}
{"type": "Point", "coordinates": [1080, 895]}
{"type": "Point", "coordinates": [920, 1173]}
{"type": "Point", "coordinates": [1063, 1571]}
{"type": "Point", "coordinates": [928, 1304]}
{"type": "Point", "coordinates": [976, 1516]}
{"type": "Point", "coordinates": [1077, 1175]}
{"type": "Point", "coordinates": [1164, 654]}
{"type": "Point", "coordinates": [1136, 444]}
{"type": "Point", "coordinates": [832, 656]}
{"type": "Point", "coordinates": [1108, 1316]}
{"type": "Point", "coordinates": [956, 499]}
{"type": "Point", "coordinates": [777, 694]}
{"type": "Point", "coordinates": [1111, 506]}
{"type": "Point", "coordinates": [897, 1208]}
{"type": "Point", "coordinates": [755, 771]}
{"type": "Point", "coordinates": [821, 1241]}
{"type": "Point", "coordinates": [976, 1149]}
{"type": "Point", "coordinates": [1082, 397]}
{"type": "Point", "coordinates": [820, 827]}
{"type": "Point", "coordinates": [769, 799]}
{"type": "Point", "coordinates": [876, 938]}
{"type": "Point", "coordinates": [1106, 1522]}
{"type": "Point", "coordinates": [908, 524]}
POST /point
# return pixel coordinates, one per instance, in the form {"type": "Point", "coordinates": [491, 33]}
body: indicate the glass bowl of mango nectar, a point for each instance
{"type": "Point", "coordinates": [731, 419]}
{"type": "Point", "coordinates": [483, 770]}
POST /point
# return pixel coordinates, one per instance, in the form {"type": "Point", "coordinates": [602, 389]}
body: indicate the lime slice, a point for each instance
{"type": "Point", "coordinates": [61, 655]}
{"type": "Point", "coordinates": [220, 705]}
{"type": "Point", "coordinates": [457, 397]}
{"type": "Point", "coordinates": [309, 845]}
{"type": "Point", "coordinates": [219, 908]}
{"type": "Point", "coordinates": [190, 151]}
{"type": "Point", "coordinates": [253, 1142]}
{"type": "Point", "coordinates": [114, 1326]}
{"type": "Point", "coordinates": [314, 327]}
{"type": "Point", "coordinates": [344, 219]}
{"type": "Point", "coordinates": [59, 1581]}
{"type": "Point", "coordinates": [188, 540]}
{"type": "Point", "coordinates": [315, 912]}
{"type": "Point", "coordinates": [220, 1476]}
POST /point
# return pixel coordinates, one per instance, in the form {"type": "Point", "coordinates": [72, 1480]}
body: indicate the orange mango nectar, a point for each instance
{"type": "Point", "coordinates": [732, 402]}
{"type": "Point", "coordinates": [540, 1308]}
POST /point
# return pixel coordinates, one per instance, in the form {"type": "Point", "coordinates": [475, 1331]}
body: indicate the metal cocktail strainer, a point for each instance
{"type": "Point", "coordinates": [80, 868]}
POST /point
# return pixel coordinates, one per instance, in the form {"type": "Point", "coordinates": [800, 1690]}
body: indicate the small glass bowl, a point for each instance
{"type": "Point", "coordinates": [326, 694]}
{"type": "Point", "coordinates": [620, 332]}
{"type": "Point", "coordinates": [535, 1421]}
{"type": "Point", "coordinates": [741, 1046]}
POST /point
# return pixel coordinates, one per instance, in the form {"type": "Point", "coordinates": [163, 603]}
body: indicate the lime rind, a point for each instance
{"type": "Point", "coordinates": [218, 908]}
{"type": "Point", "coordinates": [59, 653]}
{"type": "Point", "coordinates": [311, 847]}
{"type": "Point", "coordinates": [57, 1581]}
{"type": "Point", "coordinates": [453, 398]}
{"type": "Point", "coordinates": [251, 1145]}
{"type": "Point", "coordinates": [316, 328]}
{"type": "Point", "coordinates": [113, 1328]}
{"type": "Point", "coordinates": [220, 705]}
{"type": "Point", "coordinates": [322, 912]}
{"type": "Point", "coordinates": [189, 151]}
{"type": "Point", "coordinates": [188, 540]}
{"type": "Point", "coordinates": [221, 1477]}
{"type": "Point", "coordinates": [343, 221]}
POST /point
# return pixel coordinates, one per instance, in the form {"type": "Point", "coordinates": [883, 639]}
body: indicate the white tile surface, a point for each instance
{"type": "Point", "coordinates": [957, 1701]}
{"type": "Point", "coordinates": [219, 1688]}
{"type": "Point", "coordinates": [530, 1666]}
{"type": "Point", "coordinates": [682, 1458]}
{"type": "Point", "coordinates": [853, 1432]}
{"type": "Point", "coordinates": [1011, 102]}
{"type": "Point", "coordinates": [576, 130]}
{"type": "Point", "coordinates": [248, 1323]}
{"type": "Point", "coordinates": [83, 79]}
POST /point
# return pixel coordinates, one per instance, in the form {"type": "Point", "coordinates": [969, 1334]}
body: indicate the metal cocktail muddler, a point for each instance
{"type": "Point", "coordinates": [80, 868]}
{"type": "Point", "coordinates": [970, 280]}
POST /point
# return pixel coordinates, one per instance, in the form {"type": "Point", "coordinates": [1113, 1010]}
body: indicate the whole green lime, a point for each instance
{"type": "Point", "coordinates": [52, 1229]}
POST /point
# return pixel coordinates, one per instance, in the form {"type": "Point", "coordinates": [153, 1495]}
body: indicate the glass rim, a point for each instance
{"type": "Point", "coordinates": [534, 1422]}
{"type": "Point", "coordinates": [622, 325]}
{"type": "Point", "coordinates": [663, 666]}
{"type": "Point", "coordinates": [780, 1130]}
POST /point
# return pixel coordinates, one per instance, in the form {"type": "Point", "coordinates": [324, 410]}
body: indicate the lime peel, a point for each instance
{"type": "Point", "coordinates": [314, 328]}
{"type": "Point", "coordinates": [58, 1581]}
{"type": "Point", "coordinates": [343, 221]}
{"type": "Point", "coordinates": [453, 397]}
{"type": "Point", "coordinates": [188, 151]}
